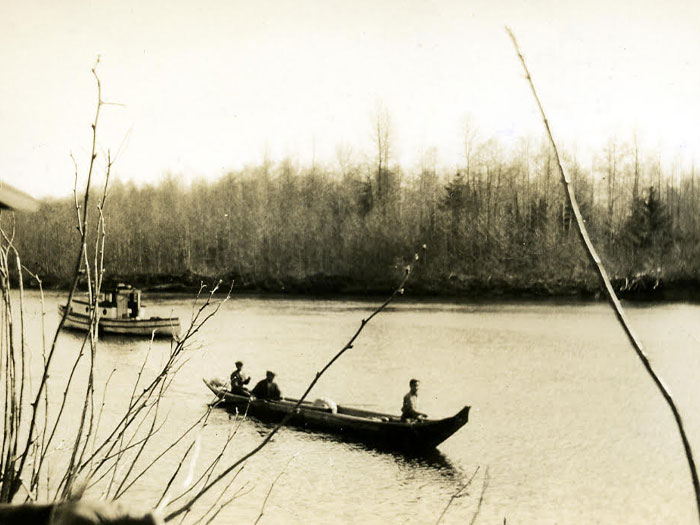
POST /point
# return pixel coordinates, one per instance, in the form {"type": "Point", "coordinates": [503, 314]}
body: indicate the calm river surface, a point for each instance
{"type": "Point", "coordinates": [566, 426]}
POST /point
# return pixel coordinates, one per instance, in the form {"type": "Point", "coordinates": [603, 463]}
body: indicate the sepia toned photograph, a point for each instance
{"type": "Point", "coordinates": [330, 262]}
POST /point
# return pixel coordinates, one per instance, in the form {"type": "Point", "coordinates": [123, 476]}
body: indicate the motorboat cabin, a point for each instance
{"type": "Point", "coordinates": [120, 312]}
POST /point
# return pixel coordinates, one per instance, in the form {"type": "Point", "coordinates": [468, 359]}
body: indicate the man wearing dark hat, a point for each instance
{"type": "Point", "coordinates": [267, 388]}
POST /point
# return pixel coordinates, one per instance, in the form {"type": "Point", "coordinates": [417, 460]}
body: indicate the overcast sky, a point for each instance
{"type": "Point", "coordinates": [208, 86]}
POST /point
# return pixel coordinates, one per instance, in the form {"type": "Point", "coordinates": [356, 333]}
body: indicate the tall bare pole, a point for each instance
{"type": "Point", "coordinates": [607, 286]}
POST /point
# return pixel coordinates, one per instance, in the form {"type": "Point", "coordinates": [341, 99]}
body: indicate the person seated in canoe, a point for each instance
{"type": "Point", "coordinates": [238, 380]}
{"type": "Point", "coordinates": [409, 410]}
{"type": "Point", "coordinates": [267, 388]}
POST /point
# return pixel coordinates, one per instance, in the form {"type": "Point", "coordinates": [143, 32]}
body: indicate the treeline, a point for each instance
{"type": "Point", "coordinates": [498, 225]}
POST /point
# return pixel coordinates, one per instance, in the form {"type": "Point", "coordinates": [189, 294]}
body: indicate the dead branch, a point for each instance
{"type": "Point", "coordinates": [484, 486]}
{"type": "Point", "coordinates": [14, 481]}
{"type": "Point", "coordinates": [239, 493]}
{"type": "Point", "coordinates": [208, 471]}
{"type": "Point", "coordinates": [145, 397]}
{"type": "Point", "coordinates": [458, 494]}
{"type": "Point", "coordinates": [269, 491]}
{"type": "Point", "coordinates": [607, 286]}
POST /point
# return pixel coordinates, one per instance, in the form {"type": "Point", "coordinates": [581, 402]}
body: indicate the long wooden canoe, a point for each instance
{"type": "Point", "coordinates": [373, 428]}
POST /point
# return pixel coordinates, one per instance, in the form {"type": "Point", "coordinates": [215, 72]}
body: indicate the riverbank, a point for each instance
{"type": "Point", "coordinates": [639, 288]}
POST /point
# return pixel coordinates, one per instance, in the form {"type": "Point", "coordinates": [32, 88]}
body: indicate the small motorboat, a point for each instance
{"type": "Point", "coordinates": [120, 312]}
{"type": "Point", "coordinates": [373, 428]}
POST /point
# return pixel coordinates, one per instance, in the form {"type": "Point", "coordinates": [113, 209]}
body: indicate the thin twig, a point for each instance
{"type": "Point", "coordinates": [484, 486]}
{"type": "Point", "coordinates": [269, 491]}
{"type": "Point", "coordinates": [15, 482]}
{"type": "Point", "coordinates": [458, 494]}
{"type": "Point", "coordinates": [209, 471]}
{"type": "Point", "coordinates": [238, 494]}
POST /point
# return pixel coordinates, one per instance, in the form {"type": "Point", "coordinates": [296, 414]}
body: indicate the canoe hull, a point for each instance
{"type": "Point", "coordinates": [163, 327]}
{"type": "Point", "coordinates": [373, 428]}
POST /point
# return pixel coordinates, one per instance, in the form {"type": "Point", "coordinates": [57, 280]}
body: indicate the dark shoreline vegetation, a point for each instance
{"type": "Point", "coordinates": [498, 227]}
{"type": "Point", "coordinates": [646, 288]}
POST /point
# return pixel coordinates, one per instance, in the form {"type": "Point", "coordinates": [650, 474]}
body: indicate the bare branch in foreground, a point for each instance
{"type": "Point", "coordinates": [484, 486]}
{"type": "Point", "coordinates": [208, 472]}
{"type": "Point", "coordinates": [458, 494]}
{"type": "Point", "coordinates": [11, 485]}
{"type": "Point", "coordinates": [607, 286]}
{"type": "Point", "coordinates": [239, 493]}
{"type": "Point", "coordinates": [272, 486]}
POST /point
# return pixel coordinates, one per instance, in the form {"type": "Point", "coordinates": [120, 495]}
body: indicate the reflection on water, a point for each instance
{"type": "Point", "coordinates": [431, 459]}
{"type": "Point", "coordinates": [564, 417]}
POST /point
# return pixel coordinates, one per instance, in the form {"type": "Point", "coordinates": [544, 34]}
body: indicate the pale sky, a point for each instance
{"type": "Point", "coordinates": [208, 86]}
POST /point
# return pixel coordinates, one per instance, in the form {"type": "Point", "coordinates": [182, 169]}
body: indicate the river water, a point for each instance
{"type": "Point", "coordinates": [565, 427]}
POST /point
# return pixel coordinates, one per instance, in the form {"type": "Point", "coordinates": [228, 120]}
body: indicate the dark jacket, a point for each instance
{"type": "Point", "coordinates": [265, 390]}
